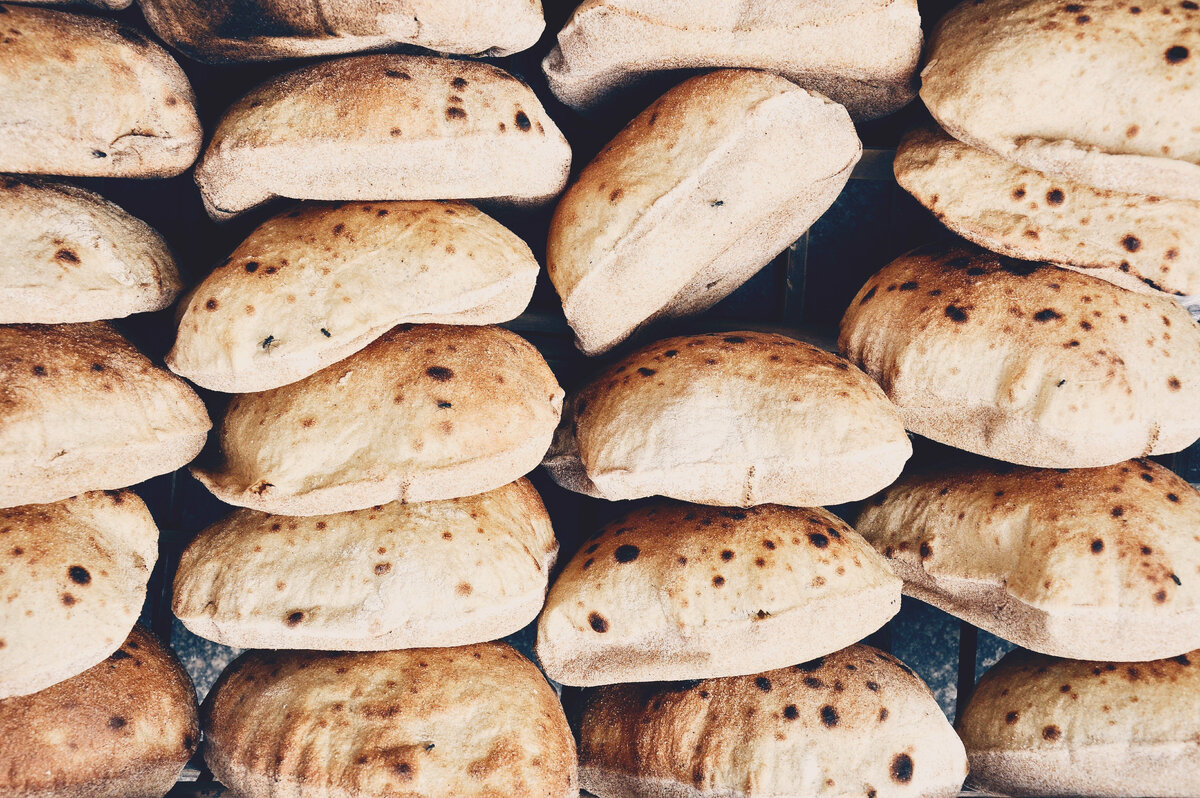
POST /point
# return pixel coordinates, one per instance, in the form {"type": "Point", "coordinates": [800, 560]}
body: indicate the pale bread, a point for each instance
{"type": "Point", "coordinates": [443, 573]}
{"type": "Point", "coordinates": [425, 412]}
{"type": "Point", "coordinates": [730, 419]}
{"type": "Point", "coordinates": [323, 281]}
{"type": "Point", "coordinates": [1141, 243]}
{"type": "Point", "coordinates": [384, 127]}
{"type": "Point", "coordinates": [1041, 726]}
{"type": "Point", "coordinates": [1103, 93]}
{"type": "Point", "coordinates": [1026, 363]}
{"type": "Point", "coordinates": [70, 255]}
{"type": "Point", "coordinates": [694, 196]}
{"type": "Point", "coordinates": [86, 96]}
{"type": "Point", "coordinates": [857, 722]}
{"type": "Point", "coordinates": [472, 722]}
{"type": "Point", "coordinates": [1096, 563]}
{"type": "Point", "coordinates": [227, 30]}
{"type": "Point", "coordinates": [121, 729]}
{"type": "Point", "coordinates": [82, 410]}
{"type": "Point", "coordinates": [681, 591]}
{"type": "Point", "coordinates": [74, 580]}
{"type": "Point", "coordinates": [862, 54]}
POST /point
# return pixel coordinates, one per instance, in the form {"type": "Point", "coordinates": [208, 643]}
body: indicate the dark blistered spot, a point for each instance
{"type": "Point", "coordinates": [671, 353]}
{"type": "Point", "coordinates": [1018, 193]}
{"type": "Point", "coordinates": [813, 682]}
{"type": "Point", "coordinates": [829, 716]}
{"type": "Point", "coordinates": [883, 715]}
{"type": "Point", "coordinates": [727, 555]}
{"type": "Point", "coordinates": [811, 666]}
{"type": "Point", "coordinates": [867, 296]}
{"type": "Point", "coordinates": [818, 540]}
{"type": "Point", "coordinates": [1160, 596]}
{"type": "Point", "coordinates": [1177, 54]}
{"type": "Point", "coordinates": [626, 553]}
{"type": "Point", "coordinates": [955, 313]}
{"type": "Point", "coordinates": [395, 73]}
{"type": "Point", "coordinates": [961, 262]}
{"type": "Point", "coordinates": [909, 286]}
{"type": "Point", "coordinates": [1173, 383]}
{"type": "Point", "coordinates": [597, 622]}
{"type": "Point", "coordinates": [440, 373]}
{"type": "Point", "coordinates": [99, 154]}
{"type": "Point", "coordinates": [769, 544]}
{"type": "Point", "coordinates": [454, 112]}
{"type": "Point", "coordinates": [119, 655]}
{"type": "Point", "coordinates": [1182, 659]}
{"type": "Point", "coordinates": [1117, 511]}
{"type": "Point", "coordinates": [645, 372]}
{"type": "Point", "coordinates": [116, 722]}
{"type": "Point", "coordinates": [66, 256]}
{"type": "Point", "coordinates": [1055, 196]}
{"type": "Point", "coordinates": [1097, 546]}
{"type": "Point", "coordinates": [1171, 497]}
{"type": "Point", "coordinates": [251, 266]}
{"type": "Point", "coordinates": [459, 83]}
{"type": "Point", "coordinates": [1047, 314]}
{"type": "Point", "coordinates": [763, 683]}
{"type": "Point", "coordinates": [1175, 578]}
{"type": "Point", "coordinates": [522, 121]}
{"type": "Point", "coordinates": [1082, 19]}
{"type": "Point", "coordinates": [1147, 477]}
{"type": "Point", "coordinates": [382, 568]}
{"type": "Point", "coordinates": [718, 581]}
{"type": "Point", "coordinates": [592, 548]}
{"type": "Point", "coordinates": [926, 551]}
{"type": "Point", "coordinates": [1018, 268]}
{"type": "Point", "coordinates": [790, 712]}
{"type": "Point", "coordinates": [1012, 717]}
{"type": "Point", "coordinates": [976, 271]}
{"type": "Point", "coordinates": [588, 563]}
{"type": "Point", "coordinates": [1131, 243]}
{"type": "Point", "coordinates": [873, 686]}
{"type": "Point", "coordinates": [1064, 688]}
{"type": "Point", "coordinates": [1051, 733]}
{"type": "Point", "coordinates": [294, 618]}
{"type": "Point", "coordinates": [902, 768]}
{"type": "Point", "coordinates": [734, 339]}
{"type": "Point", "coordinates": [68, 600]}
{"type": "Point", "coordinates": [1190, 5]}
{"type": "Point", "coordinates": [79, 575]}
{"type": "Point", "coordinates": [97, 367]}
{"type": "Point", "coordinates": [444, 405]}
{"type": "Point", "coordinates": [211, 304]}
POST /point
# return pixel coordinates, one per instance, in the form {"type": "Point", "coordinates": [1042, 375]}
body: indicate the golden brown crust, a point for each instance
{"type": "Point", "coordinates": [1024, 362]}
{"type": "Point", "coordinates": [853, 723]}
{"type": "Point", "coordinates": [732, 419]}
{"type": "Point", "coordinates": [425, 412]}
{"type": "Point", "coordinates": [83, 410]}
{"type": "Point", "coordinates": [677, 591]}
{"type": "Point", "coordinates": [122, 729]}
{"type": "Point", "coordinates": [1038, 725]}
{"type": "Point", "coordinates": [472, 721]}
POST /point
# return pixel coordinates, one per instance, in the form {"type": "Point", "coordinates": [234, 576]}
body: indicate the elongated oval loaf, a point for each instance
{"type": "Point", "coordinates": [86, 96]}
{"type": "Point", "coordinates": [323, 281]}
{"type": "Point", "coordinates": [473, 721]}
{"type": "Point", "coordinates": [384, 127]}
{"type": "Point", "coordinates": [425, 412]}
{"type": "Point", "coordinates": [1097, 563]}
{"type": "Point", "coordinates": [861, 53]}
{"type": "Point", "coordinates": [693, 197]}
{"type": "Point", "coordinates": [730, 419]}
{"type": "Point", "coordinates": [1103, 92]}
{"type": "Point", "coordinates": [681, 591]}
{"type": "Point", "coordinates": [1145, 244]}
{"type": "Point", "coordinates": [74, 580]}
{"type": "Point", "coordinates": [1026, 363]}
{"type": "Point", "coordinates": [72, 256]}
{"type": "Point", "coordinates": [258, 30]}
{"type": "Point", "coordinates": [857, 722]}
{"type": "Point", "coordinates": [441, 573]}
{"type": "Point", "coordinates": [124, 728]}
{"type": "Point", "coordinates": [1042, 726]}
{"type": "Point", "coordinates": [81, 410]}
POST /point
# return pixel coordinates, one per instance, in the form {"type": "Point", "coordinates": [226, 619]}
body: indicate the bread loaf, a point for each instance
{"type": "Point", "coordinates": [863, 53]}
{"type": "Point", "coordinates": [424, 413]}
{"type": "Point", "coordinates": [857, 722]}
{"type": "Point", "coordinates": [441, 573]}
{"type": "Point", "coordinates": [121, 729]}
{"type": "Point", "coordinates": [323, 281]}
{"type": "Point", "coordinates": [680, 591]}
{"type": "Point", "coordinates": [265, 29]}
{"type": "Point", "coordinates": [1145, 244]}
{"type": "Point", "coordinates": [730, 419]}
{"type": "Point", "coordinates": [473, 721]}
{"type": "Point", "coordinates": [1024, 362]}
{"type": "Point", "coordinates": [86, 96]}
{"type": "Point", "coordinates": [1042, 726]}
{"type": "Point", "coordinates": [82, 410]}
{"type": "Point", "coordinates": [1096, 563]}
{"type": "Point", "coordinates": [72, 256]}
{"type": "Point", "coordinates": [384, 127]}
{"type": "Point", "coordinates": [1103, 93]}
{"type": "Point", "coordinates": [693, 197]}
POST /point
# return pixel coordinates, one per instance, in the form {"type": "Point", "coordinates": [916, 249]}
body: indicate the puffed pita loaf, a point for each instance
{"type": "Point", "coordinates": [70, 255]}
{"type": "Point", "coordinates": [677, 591]}
{"type": "Point", "coordinates": [1145, 244]}
{"type": "Point", "coordinates": [1042, 726]}
{"type": "Point", "coordinates": [87, 96]}
{"type": "Point", "coordinates": [74, 577]}
{"type": "Point", "coordinates": [695, 195]}
{"type": "Point", "coordinates": [1091, 563]}
{"type": "Point", "coordinates": [323, 281]}
{"type": "Point", "coordinates": [1104, 93]}
{"type": "Point", "coordinates": [442, 573]}
{"type": "Point", "coordinates": [857, 722]}
{"type": "Point", "coordinates": [384, 127]}
{"type": "Point", "coordinates": [425, 412]}
{"type": "Point", "coordinates": [1026, 363]}
{"type": "Point", "coordinates": [730, 419]}
{"type": "Point", "coordinates": [82, 410]}
{"type": "Point", "coordinates": [473, 721]}
{"type": "Point", "coordinates": [121, 729]}
{"type": "Point", "coordinates": [862, 54]}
